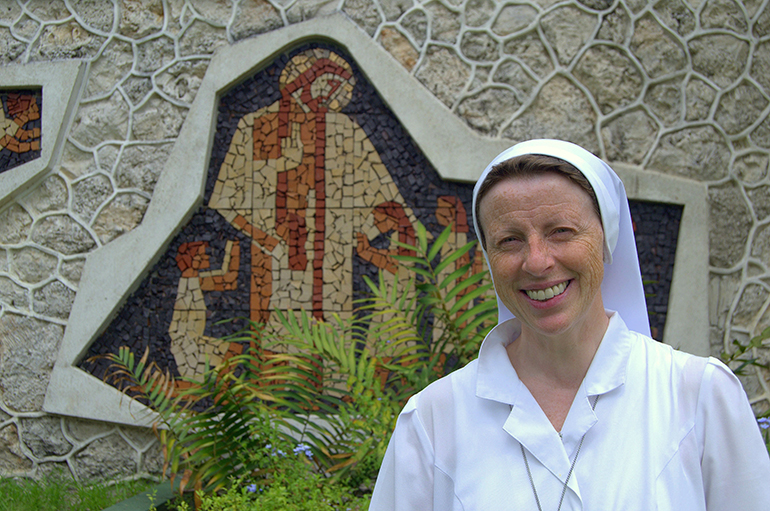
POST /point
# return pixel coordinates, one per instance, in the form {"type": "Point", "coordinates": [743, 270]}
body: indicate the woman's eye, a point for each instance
{"type": "Point", "coordinates": [509, 239]}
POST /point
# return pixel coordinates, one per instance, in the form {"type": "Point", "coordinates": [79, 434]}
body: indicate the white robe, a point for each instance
{"type": "Point", "coordinates": [671, 431]}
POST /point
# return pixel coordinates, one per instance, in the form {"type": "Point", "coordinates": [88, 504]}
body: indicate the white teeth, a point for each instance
{"type": "Point", "coordinates": [546, 294]}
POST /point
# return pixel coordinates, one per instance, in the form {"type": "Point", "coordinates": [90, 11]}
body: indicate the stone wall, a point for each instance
{"type": "Point", "coordinates": [672, 87]}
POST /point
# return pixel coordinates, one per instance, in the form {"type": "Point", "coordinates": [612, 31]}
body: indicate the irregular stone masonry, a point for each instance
{"type": "Point", "coordinates": [672, 86]}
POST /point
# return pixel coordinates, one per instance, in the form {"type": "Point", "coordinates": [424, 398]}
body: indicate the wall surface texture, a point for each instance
{"type": "Point", "coordinates": [677, 91]}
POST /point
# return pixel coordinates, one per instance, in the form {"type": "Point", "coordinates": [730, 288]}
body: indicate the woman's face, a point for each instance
{"type": "Point", "coordinates": [545, 248]}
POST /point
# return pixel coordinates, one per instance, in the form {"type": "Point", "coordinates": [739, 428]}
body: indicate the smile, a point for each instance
{"type": "Point", "coordinates": [548, 293]}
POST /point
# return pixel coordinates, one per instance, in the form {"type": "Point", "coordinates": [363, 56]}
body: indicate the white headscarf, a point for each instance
{"type": "Point", "coordinates": [622, 288]}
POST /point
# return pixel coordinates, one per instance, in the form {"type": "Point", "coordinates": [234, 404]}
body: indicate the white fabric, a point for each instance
{"type": "Point", "coordinates": [622, 288]}
{"type": "Point", "coordinates": [670, 431]}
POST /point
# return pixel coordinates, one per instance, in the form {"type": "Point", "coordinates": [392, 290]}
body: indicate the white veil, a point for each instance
{"type": "Point", "coordinates": [622, 288]}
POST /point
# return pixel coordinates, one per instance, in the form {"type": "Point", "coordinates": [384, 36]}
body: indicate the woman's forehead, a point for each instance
{"type": "Point", "coordinates": [574, 176]}
{"type": "Point", "coordinates": [549, 194]}
{"type": "Point", "coordinates": [524, 185]}
{"type": "Point", "coordinates": [533, 190]}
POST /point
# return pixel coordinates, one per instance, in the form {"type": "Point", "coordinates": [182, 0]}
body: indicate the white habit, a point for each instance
{"type": "Point", "coordinates": [671, 431]}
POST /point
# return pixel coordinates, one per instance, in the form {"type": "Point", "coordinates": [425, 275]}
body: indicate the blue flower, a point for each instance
{"type": "Point", "coordinates": [764, 422]}
{"type": "Point", "coordinates": [274, 452]}
{"type": "Point", "coordinates": [304, 449]}
{"type": "Point", "coordinates": [252, 488]}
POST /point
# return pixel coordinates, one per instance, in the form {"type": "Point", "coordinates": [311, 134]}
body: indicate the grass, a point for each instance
{"type": "Point", "coordinates": [59, 493]}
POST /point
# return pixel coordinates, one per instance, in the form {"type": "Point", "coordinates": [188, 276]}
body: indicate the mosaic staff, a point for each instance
{"type": "Point", "coordinates": [570, 404]}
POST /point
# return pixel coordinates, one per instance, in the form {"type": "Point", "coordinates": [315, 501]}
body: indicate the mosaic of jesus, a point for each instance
{"type": "Point", "coordinates": [312, 180]}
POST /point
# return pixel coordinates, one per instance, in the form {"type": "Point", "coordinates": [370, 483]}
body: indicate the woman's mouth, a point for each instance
{"type": "Point", "coordinates": [546, 294]}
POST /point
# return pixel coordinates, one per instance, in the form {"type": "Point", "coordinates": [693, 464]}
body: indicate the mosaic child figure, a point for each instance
{"type": "Point", "coordinates": [389, 218]}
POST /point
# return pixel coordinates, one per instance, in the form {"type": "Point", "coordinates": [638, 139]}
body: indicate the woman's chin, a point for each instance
{"type": "Point", "coordinates": [561, 318]}
{"type": "Point", "coordinates": [553, 326]}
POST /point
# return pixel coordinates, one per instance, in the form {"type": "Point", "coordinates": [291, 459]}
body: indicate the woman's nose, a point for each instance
{"type": "Point", "coordinates": [538, 259]}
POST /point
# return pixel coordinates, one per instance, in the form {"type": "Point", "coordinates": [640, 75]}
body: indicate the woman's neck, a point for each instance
{"type": "Point", "coordinates": [553, 368]}
{"type": "Point", "coordinates": [565, 357]}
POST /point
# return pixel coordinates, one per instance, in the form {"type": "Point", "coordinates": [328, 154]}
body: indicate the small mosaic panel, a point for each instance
{"type": "Point", "coordinates": [311, 182]}
{"type": "Point", "coordinates": [20, 127]}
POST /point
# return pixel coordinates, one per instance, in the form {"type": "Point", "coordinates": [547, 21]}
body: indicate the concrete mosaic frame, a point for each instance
{"type": "Point", "coordinates": [180, 189]}
{"type": "Point", "coordinates": [61, 82]}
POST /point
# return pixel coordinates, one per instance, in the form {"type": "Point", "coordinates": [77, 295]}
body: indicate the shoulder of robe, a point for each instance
{"type": "Point", "coordinates": [671, 371]}
{"type": "Point", "coordinates": [436, 402]}
{"type": "Point", "coordinates": [660, 355]}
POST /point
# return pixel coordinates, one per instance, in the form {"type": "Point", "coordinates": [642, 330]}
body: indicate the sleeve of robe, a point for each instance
{"type": "Point", "coordinates": [409, 479]}
{"type": "Point", "coordinates": [735, 462]}
{"type": "Point", "coordinates": [405, 481]}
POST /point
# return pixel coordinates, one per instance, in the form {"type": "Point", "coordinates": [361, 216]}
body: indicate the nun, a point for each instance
{"type": "Point", "coordinates": [570, 404]}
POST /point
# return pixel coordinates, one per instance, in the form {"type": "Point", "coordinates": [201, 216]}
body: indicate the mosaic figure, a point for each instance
{"type": "Point", "coordinates": [19, 109]}
{"type": "Point", "coordinates": [451, 211]}
{"type": "Point", "coordinates": [189, 345]}
{"type": "Point", "coordinates": [388, 217]}
{"type": "Point", "coordinates": [298, 175]}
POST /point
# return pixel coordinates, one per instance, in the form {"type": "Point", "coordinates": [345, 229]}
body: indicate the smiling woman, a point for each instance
{"type": "Point", "coordinates": [544, 244]}
{"type": "Point", "coordinates": [571, 405]}
{"type": "Point", "coordinates": [545, 251]}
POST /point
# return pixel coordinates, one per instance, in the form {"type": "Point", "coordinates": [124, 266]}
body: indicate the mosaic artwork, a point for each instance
{"type": "Point", "coordinates": [311, 181]}
{"type": "Point", "coordinates": [19, 127]}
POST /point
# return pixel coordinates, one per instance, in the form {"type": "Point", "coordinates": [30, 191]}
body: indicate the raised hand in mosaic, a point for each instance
{"type": "Point", "coordinates": [388, 217]}
{"type": "Point", "coordinates": [190, 347]}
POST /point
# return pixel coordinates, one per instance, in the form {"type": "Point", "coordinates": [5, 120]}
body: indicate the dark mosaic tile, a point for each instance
{"type": "Point", "coordinates": [656, 228]}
